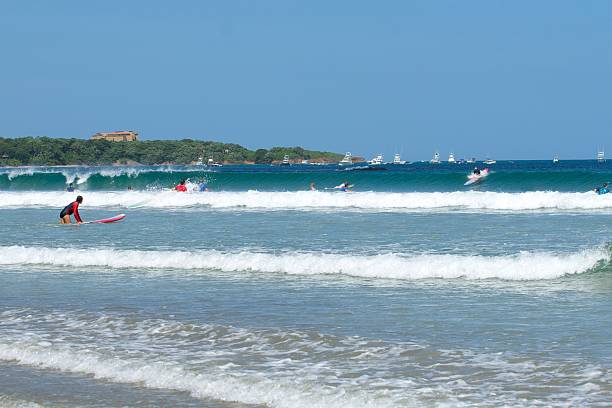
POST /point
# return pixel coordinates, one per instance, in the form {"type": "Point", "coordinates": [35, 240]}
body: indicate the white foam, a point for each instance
{"type": "Point", "coordinates": [249, 389]}
{"type": "Point", "coordinates": [307, 200]}
{"type": "Point", "coordinates": [10, 402]}
{"type": "Point", "coordinates": [80, 174]}
{"type": "Point", "coordinates": [521, 266]}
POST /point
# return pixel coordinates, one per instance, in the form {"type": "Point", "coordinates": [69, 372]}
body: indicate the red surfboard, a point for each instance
{"type": "Point", "coordinates": [107, 220]}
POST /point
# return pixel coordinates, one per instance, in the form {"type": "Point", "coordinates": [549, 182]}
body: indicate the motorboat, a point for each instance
{"type": "Point", "coordinates": [397, 159]}
{"type": "Point", "coordinates": [601, 157]}
{"type": "Point", "coordinates": [376, 160]}
{"type": "Point", "coordinates": [347, 160]}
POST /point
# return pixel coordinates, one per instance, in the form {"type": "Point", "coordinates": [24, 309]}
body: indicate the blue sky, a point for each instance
{"type": "Point", "coordinates": [506, 79]}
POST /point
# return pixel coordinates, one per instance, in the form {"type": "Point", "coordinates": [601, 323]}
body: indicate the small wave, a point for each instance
{"type": "Point", "coordinates": [289, 368]}
{"type": "Point", "coordinates": [10, 402]}
{"type": "Point", "coordinates": [251, 389]}
{"type": "Point", "coordinates": [309, 201]}
{"type": "Point", "coordinates": [521, 266]}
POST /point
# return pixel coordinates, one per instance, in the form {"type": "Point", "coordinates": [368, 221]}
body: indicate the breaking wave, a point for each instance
{"type": "Point", "coordinates": [520, 266]}
{"type": "Point", "coordinates": [288, 368]}
{"type": "Point", "coordinates": [316, 200]}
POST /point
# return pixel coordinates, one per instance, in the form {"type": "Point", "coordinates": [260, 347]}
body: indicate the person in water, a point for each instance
{"type": "Point", "coordinates": [202, 186]}
{"type": "Point", "coordinates": [181, 186]}
{"type": "Point", "coordinates": [71, 209]}
{"type": "Point", "coordinates": [476, 171]}
{"type": "Point", "coordinates": [344, 187]}
{"type": "Point", "coordinates": [70, 188]}
{"type": "Point", "coordinates": [603, 189]}
{"type": "Point", "coordinates": [312, 186]}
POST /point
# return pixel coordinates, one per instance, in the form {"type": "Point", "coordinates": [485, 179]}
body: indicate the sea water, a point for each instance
{"type": "Point", "coordinates": [413, 290]}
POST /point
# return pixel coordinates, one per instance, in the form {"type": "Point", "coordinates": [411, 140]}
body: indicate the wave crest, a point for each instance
{"type": "Point", "coordinates": [307, 200]}
{"type": "Point", "coordinates": [521, 266]}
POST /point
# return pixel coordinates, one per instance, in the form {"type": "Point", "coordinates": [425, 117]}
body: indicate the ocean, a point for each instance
{"type": "Point", "coordinates": [411, 291]}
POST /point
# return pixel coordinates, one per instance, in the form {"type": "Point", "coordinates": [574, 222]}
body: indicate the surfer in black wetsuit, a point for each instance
{"type": "Point", "coordinates": [476, 171]}
{"type": "Point", "coordinates": [70, 209]}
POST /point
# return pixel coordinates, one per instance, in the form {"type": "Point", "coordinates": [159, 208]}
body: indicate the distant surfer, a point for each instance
{"type": "Point", "coordinates": [344, 187]}
{"type": "Point", "coordinates": [603, 189]}
{"type": "Point", "coordinates": [71, 209]}
{"type": "Point", "coordinates": [70, 188]}
{"type": "Point", "coordinates": [202, 186]}
{"type": "Point", "coordinates": [181, 187]}
{"type": "Point", "coordinates": [312, 186]}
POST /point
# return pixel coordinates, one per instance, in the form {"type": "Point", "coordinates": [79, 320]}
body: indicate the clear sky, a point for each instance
{"type": "Point", "coordinates": [506, 79]}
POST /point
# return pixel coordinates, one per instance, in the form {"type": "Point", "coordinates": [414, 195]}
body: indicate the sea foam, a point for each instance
{"type": "Point", "coordinates": [520, 266]}
{"type": "Point", "coordinates": [326, 201]}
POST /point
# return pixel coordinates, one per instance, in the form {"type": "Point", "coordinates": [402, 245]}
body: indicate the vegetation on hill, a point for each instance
{"type": "Point", "coordinates": [52, 151]}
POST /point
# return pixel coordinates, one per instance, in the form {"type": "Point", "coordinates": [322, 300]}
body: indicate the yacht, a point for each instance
{"type": "Point", "coordinates": [305, 161]}
{"type": "Point", "coordinates": [490, 161]}
{"type": "Point", "coordinates": [601, 157]}
{"type": "Point", "coordinates": [376, 160]}
{"type": "Point", "coordinates": [556, 159]}
{"type": "Point", "coordinates": [436, 158]}
{"type": "Point", "coordinates": [200, 162]}
{"type": "Point", "coordinates": [347, 160]}
{"type": "Point", "coordinates": [471, 160]}
{"type": "Point", "coordinates": [451, 158]}
{"type": "Point", "coordinates": [213, 163]}
{"type": "Point", "coordinates": [285, 161]}
{"type": "Point", "coordinates": [398, 160]}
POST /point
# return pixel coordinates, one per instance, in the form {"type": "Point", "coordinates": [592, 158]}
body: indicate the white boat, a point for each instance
{"type": "Point", "coordinates": [436, 158]}
{"type": "Point", "coordinates": [397, 159]}
{"type": "Point", "coordinates": [200, 162]}
{"type": "Point", "coordinates": [451, 158]}
{"type": "Point", "coordinates": [305, 161]}
{"type": "Point", "coordinates": [347, 160]}
{"type": "Point", "coordinates": [471, 160]}
{"type": "Point", "coordinates": [213, 163]}
{"type": "Point", "coordinates": [490, 161]}
{"type": "Point", "coordinates": [601, 156]}
{"type": "Point", "coordinates": [376, 160]}
{"type": "Point", "coordinates": [556, 159]}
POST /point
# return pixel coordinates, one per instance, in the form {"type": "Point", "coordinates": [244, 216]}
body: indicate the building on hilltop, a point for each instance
{"type": "Point", "coordinates": [119, 136]}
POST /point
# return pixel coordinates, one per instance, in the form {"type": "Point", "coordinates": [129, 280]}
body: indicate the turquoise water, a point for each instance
{"type": "Point", "coordinates": [509, 176]}
{"type": "Point", "coordinates": [399, 294]}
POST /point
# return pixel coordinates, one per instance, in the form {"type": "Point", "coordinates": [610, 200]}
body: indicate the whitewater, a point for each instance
{"type": "Point", "coordinates": [315, 200]}
{"type": "Point", "coordinates": [522, 266]}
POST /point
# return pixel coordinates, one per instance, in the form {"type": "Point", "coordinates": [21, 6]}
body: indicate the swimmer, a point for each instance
{"type": "Point", "coordinates": [181, 187]}
{"type": "Point", "coordinates": [603, 189]}
{"type": "Point", "coordinates": [202, 186]}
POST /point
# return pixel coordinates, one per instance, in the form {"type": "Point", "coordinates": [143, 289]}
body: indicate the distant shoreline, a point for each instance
{"type": "Point", "coordinates": [45, 151]}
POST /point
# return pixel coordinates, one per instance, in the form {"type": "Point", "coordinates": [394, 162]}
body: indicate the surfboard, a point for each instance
{"type": "Point", "coordinates": [107, 220]}
{"type": "Point", "coordinates": [474, 178]}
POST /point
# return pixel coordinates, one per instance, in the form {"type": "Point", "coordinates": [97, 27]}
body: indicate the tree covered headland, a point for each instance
{"type": "Point", "coordinates": [51, 152]}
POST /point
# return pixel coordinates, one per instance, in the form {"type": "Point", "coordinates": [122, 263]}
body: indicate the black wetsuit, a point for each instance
{"type": "Point", "coordinates": [72, 208]}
